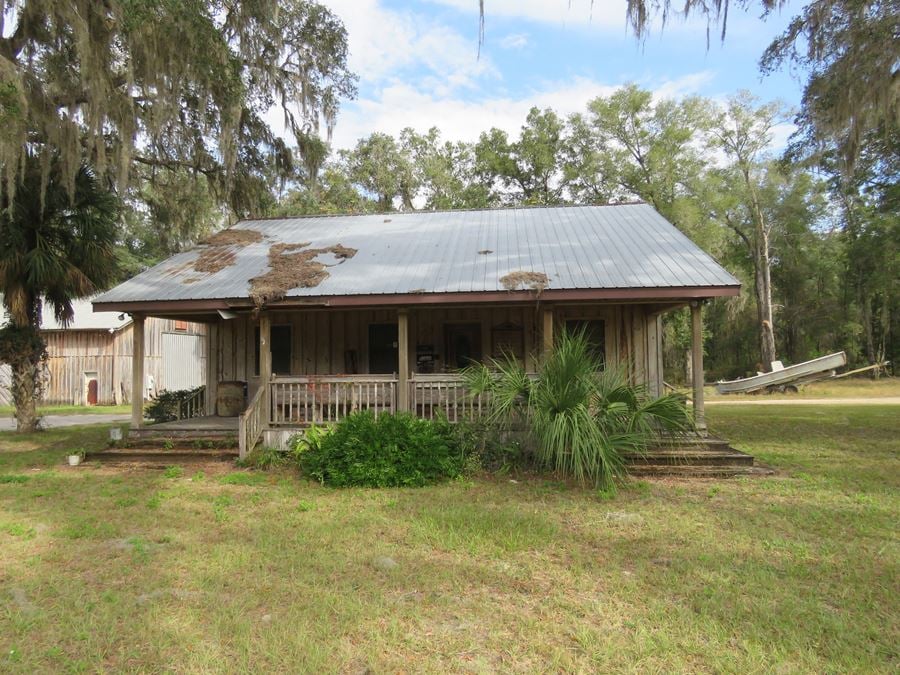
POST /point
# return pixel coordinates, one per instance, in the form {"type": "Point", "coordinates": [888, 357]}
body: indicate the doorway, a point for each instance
{"type": "Point", "coordinates": [383, 357]}
{"type": "Point", "coordinates": [91, 388]}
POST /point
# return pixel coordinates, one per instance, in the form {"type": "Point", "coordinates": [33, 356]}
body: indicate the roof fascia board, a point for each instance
{"type": "Point", "coordinates": [406, 299]}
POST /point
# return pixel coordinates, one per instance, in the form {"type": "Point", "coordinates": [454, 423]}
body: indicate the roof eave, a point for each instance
{"type": "Point", "coordinates": [401, 299]}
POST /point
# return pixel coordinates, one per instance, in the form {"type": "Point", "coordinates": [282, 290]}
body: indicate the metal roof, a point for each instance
{"type": "Point", "coordinates": [625, 246]}
{"type": "Point", "coordinates": [85, 318]}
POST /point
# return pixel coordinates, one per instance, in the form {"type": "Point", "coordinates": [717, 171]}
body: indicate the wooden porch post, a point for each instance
{"type": "Point", "coordinates": [548, 331]}
{"type": "Point", "coordinates": [697, 359]}
{"type": "Point", "coordinates": [212, 366]}
{"type": "Point", "coordinates": [137, 371]}
{"type": "Point", "coordinates": [265, 361]}
{"type": "Point", "coordinates": [403, 359]}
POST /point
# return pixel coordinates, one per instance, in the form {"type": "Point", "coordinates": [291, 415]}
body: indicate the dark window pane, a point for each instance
{"type": "Point", "coordinates": [280, 345]}
{"type": "Point", "coordinates": [281, 350]}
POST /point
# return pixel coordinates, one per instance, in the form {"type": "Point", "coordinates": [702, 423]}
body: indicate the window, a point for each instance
{"type": "Point", "coordinates": [595, 332]}
{"type": "Point", "coordinates": [280, 346]}
{"type": "Point", "coordinates": [462, 343]}
{"type": "Point", "coordinates": [507, 340]}
{"type": "Point", "coordinates": [181, 325]}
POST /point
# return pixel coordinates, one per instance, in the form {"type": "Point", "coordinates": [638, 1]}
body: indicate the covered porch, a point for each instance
{"type": "Point", "coordinates": [311, 365]}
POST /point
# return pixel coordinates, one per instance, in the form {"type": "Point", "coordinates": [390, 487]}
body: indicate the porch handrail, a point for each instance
{"type": "Point", "coordinates": [251, 423]}
{"type": "Point", "coordinates": [193, 406]}
{"type": "Point", "coordinates": [315, 399]}
{"type": "Point", "coordinates": [325, 379]}
{"type": "Point", "coordinates": [445, 395]}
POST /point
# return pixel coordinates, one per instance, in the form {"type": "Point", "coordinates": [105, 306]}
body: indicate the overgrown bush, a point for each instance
{"type": "Point", "coordinates": [486, 448]}
{"type": "Point", "coordinates": [390, 451]}
{"type": "Point", "coordinates": [169, 405]}
{"type": "Point", "coordinates": [264, 458]}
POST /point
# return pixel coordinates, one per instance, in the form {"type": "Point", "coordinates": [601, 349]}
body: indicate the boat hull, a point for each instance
{"type": "Point", "coordinates": [824, 366]}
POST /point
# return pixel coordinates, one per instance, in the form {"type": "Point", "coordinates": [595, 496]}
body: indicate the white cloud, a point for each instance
{"type": "Point", "coordinates": [402, 104]}
{"type": "Point", "coordinates": [685, 85]}
{"type": "Point", "coordinates": [385, 44]}
{"type": "Point", "coordinates": [514, 41]}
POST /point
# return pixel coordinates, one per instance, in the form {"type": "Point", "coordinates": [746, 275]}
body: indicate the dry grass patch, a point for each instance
{"type": "Point", "coordinates": [220, 249]}
{"type": "Point", "coordinates": [294, 266]}
{"type": "Point", "coordinates": [535, 281]}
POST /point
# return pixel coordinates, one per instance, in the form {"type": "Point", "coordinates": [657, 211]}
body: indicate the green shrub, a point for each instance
{"type": "Point", "coordinates": [487, 448]}
{"type": "Point", "coordinates": [390, 451]}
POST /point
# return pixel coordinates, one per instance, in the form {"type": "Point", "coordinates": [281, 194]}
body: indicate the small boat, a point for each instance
{"type": "Point", "coordinates": [782, 377]}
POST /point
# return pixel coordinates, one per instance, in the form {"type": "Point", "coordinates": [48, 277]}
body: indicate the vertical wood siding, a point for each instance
{"type": "Point", "coordinates": [321, 339]}
{"type": "Point", "coordinates": [72, 353]}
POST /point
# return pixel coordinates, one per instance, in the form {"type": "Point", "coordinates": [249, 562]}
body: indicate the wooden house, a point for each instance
{"type": "Point", "coordinates": [89, 360]}
{"type": "Point", "coordinates": [319, 316]}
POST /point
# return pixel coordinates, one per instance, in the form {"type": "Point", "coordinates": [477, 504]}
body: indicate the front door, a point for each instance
{"type": "Point", "coordinates": [383, 348]}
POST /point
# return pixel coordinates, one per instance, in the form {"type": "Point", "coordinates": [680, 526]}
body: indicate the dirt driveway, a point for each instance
{"type": "Point", "coordinates": [56, 421]}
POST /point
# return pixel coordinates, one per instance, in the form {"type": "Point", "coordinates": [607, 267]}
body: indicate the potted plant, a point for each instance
{"type": "Point", "coordinates": [76, 457]}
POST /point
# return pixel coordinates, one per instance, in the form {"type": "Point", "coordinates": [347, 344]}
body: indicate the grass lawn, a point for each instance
{"type": "Point", "coordinates": [8, 411]}
{"type": "Point", "coordinates": [105, 570]}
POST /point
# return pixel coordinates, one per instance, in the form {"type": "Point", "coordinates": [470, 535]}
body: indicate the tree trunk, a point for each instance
{"type": "Point", "coordinates": [866, 303]}
{"type": "Point", "coordinates": [688, 366]}
{"type": "Point", "coordinates": [762, 265]}
{"type": "Point", "coordinates": [24, 390]}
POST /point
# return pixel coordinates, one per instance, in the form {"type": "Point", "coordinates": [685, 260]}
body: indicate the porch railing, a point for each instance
{"type": "Point", "coordinates": [432, 396]}
{"type": "Point", "coordinates": [252, 422]}
{"type": "Point", "coordinates": [314, 400]}
{"type": "Point", "coordinates": [193, 406]}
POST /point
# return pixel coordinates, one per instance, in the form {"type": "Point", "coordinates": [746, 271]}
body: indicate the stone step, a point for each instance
{"type": "Point", "coordinates": [706, 471]}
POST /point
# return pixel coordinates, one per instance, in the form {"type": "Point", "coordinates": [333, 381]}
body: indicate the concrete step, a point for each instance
{"type": "Point", "coordinates": [161, 457]}
{"type": "Point", "coordinates": [690, 457]}
{"type": "Point", "coordinates": [688, 471]}
{"type": "Point", "coordinates": [186, 443]}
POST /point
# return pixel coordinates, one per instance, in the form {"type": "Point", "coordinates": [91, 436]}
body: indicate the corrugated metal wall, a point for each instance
{"type": "Point", "coordinates": [5, 382]}
{"type": "Point", "coordinates": [183, 361]}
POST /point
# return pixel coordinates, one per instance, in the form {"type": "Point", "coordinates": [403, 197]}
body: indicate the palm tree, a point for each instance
{"type": "Point", "coordinates": [57, 241]}
{"type": "Point", "coordinates": [582, 418]}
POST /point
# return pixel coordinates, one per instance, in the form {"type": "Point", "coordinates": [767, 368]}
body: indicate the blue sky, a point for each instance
{"type": "Point", "coordinates": [418, 64]}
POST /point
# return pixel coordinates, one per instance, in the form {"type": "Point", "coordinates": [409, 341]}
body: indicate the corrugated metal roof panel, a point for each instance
{"type": "Point", "coordinates": [579, 247]}
{"type": "Point", "coordinates": [85, 318]}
